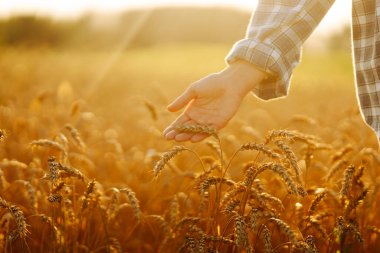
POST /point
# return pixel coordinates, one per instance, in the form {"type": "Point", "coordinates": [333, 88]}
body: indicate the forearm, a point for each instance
{"type": "Point", "coordinates": [274, 38]}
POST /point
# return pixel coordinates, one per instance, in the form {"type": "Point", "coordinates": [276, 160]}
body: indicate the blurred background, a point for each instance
{"type": "Point", "coordinates": [112, 56]}
{"type": "Point", "coordinates": [99, 25]}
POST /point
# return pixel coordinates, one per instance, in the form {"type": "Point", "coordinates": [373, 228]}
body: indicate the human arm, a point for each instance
{"type": "Point", "coordinates": [214, 99]}
{"type": "Point", "coordinates": [275, 35]}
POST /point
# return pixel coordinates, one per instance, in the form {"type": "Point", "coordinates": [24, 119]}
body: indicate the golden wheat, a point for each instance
{"type": "Point", "coordinates": [225, 200]}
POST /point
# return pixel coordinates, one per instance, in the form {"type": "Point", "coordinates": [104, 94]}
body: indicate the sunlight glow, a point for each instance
{"type": "Point", "coordinates": [338, 15]}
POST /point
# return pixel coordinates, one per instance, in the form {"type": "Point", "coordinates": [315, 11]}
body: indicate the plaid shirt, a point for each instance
{"type": "Point", "coordinates": [278, 29]}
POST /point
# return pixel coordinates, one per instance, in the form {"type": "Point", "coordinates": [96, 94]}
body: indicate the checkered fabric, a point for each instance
{"type": "Point", "coordinates": [275, 35]}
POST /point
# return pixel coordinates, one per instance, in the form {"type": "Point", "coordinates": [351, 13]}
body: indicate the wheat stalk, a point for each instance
{"type": "Point", "coordinates": [197, 129]}
{"type": "Point", "coordinates": [374, 229]}
{"type": "Point", "coordinates": [165, 158]}
{"type": "Point", "coordinates": [114, 245]}
{"type": "Point", "coordinates": [261, 148]}
{"type": "Point", "coordinates": [164, 226]}
{"type": "Point", "coordinates": [318, 226]}
{"type": "Point", "coordinates": [348, 176]}
{"type": "Point", "coordinates": [310, 241]}
{"type": "Point", "coordinates": [53, 168]}
{"type": "Point", "coordinates": [249, 175]}
{"type": "Point", "coordinates": [230, 206]}
{"type": "Point", "coordinates": [238, 188]}
{"type": "Point", "coordinates": [316, 202]}
{"type": "Point", "coordinates": [279, 169]}
{"type": "Point", "coordinates": [21, 226]}
{"type": "Point", "coordinates": [285, 228]}
{"type": "Point", "coordinates": [89, 190]}
{"type": "Point", "coordinates": [240, 233]}
{"type": "Point", "coordinates": [205, 185]}
{"type": "Point", "coordinates": [152, 109]}
{"type": "Point", "coordinates": [58, 187]}
{"type": "Point", "coordinates": [353, 229]}
{"type": "Point", "coordinates": [336, 167]}
{"type": "Point", "coordinates": [203, 129]}
{"type": "Point", "coordinates": [341, 153]}
{"type": "Point", "coordinates": [202, 244]}
{"type": "Point", "coordinates": [291, 158]}
{"type": "Point", "coordinates": [174, 211]}
{"type": "Point", "coordinates": [50, 144]}
{"type": "Point", "coordinates": [55, 198]}
{"type": "Point", "coordinates": [256, 214]}
{"type": "Point", "coordinates": [190, 244]}
{"type": "Point", "coordinates": [13, 163]}
{"type": "Point", "coordinates": [220, 239]}
{"type": "Point", "coordinates": [357, 180]}
{"type": "Point", "coordinates": [186, 221]}
{"type": "Point", "coordinates": [66, 171]}
{"type": "Point", "coordinates": [69, 211]}
{"type": "Point", "coordinates": [48, 220]}
{"type": "Point", "coordinates": [353, 204]}
{"type": "Point", "coordinates": [267, 239]}
{"type": "Point", "coordinates": [3, 134]}
{"type": "Point", "coordinates": [31, 191]}
{"type": "Point", "coordinates": [322, 216]}
{"type": "Point", "coordinates": [370, 151]}
{"type": "Point", "coordinates": [266, 197]}
{"type": "Point", "coordinates": [308, 246]}
{"type": "Point", "coordinates": [135, 203]}
{"type": "Point", "coordinates": [76, 136]}
{"type": "Point", "coordinates": [281, 134]}
{"type": "Point", "coordinates": [214, 146]}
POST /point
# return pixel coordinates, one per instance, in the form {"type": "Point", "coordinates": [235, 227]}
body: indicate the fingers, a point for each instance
{"type": "Point", "coordinates": [198, 137]}
{"type": "Point", "coordinates": [170, 135]}
{"type": "Point", "coordinates": [180, 137]}
{"type": "Point", "coordinates": [182, 100]}
{"type": "Point", "coordinates": [183, 137]}
{"type": "Point", "coordinates": [180, 120]}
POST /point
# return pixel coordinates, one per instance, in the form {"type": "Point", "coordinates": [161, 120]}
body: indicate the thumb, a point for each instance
{"type": "Point", "coordinates": [182, 100]}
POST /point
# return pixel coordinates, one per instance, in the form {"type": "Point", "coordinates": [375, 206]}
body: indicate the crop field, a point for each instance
{"type": "Point", "coordinates": [84, 166]}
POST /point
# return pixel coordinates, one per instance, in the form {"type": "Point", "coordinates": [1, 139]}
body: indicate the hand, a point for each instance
{"type": "Point", "coordinates": [213, 100]}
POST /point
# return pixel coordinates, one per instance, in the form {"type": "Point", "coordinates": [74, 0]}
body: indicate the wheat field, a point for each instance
{"type": "Point", "coordinates": [84, 166]}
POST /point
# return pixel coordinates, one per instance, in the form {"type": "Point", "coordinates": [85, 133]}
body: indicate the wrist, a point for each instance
{"type": "Point", "coordinates": [244, 75]}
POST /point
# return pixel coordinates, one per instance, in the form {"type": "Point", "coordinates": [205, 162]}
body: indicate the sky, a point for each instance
{"type": "Point", "coordinates": [337, 16]}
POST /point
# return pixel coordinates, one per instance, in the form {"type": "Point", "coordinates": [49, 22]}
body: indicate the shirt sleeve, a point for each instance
{"type": "Point", "coordinates": [274, 39]}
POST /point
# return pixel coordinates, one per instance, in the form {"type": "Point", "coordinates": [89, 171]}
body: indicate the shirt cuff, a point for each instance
{"type": "Point", "coordinates": [266, 58]}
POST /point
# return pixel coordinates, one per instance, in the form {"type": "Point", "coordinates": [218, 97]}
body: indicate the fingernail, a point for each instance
{"type": "Point", "coordinates": [166, 130]}
{"type": "Point", "coordinates": [170, 135]}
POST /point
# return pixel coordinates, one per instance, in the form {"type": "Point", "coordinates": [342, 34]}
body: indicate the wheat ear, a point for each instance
{"type": "Point", "coordinates": [165, 158]}
{"type": "Point", "coordinates": [135, 203]}
{"type": "Point", "coordinates": [285, 228]}
{"type": "Point", "coordinates": [21, 226]}
{"type": "Point", "coordinates": [347, 179]}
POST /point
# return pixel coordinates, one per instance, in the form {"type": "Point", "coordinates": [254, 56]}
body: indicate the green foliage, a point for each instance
{"type": "Point", "coordinates": [29, 30]}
